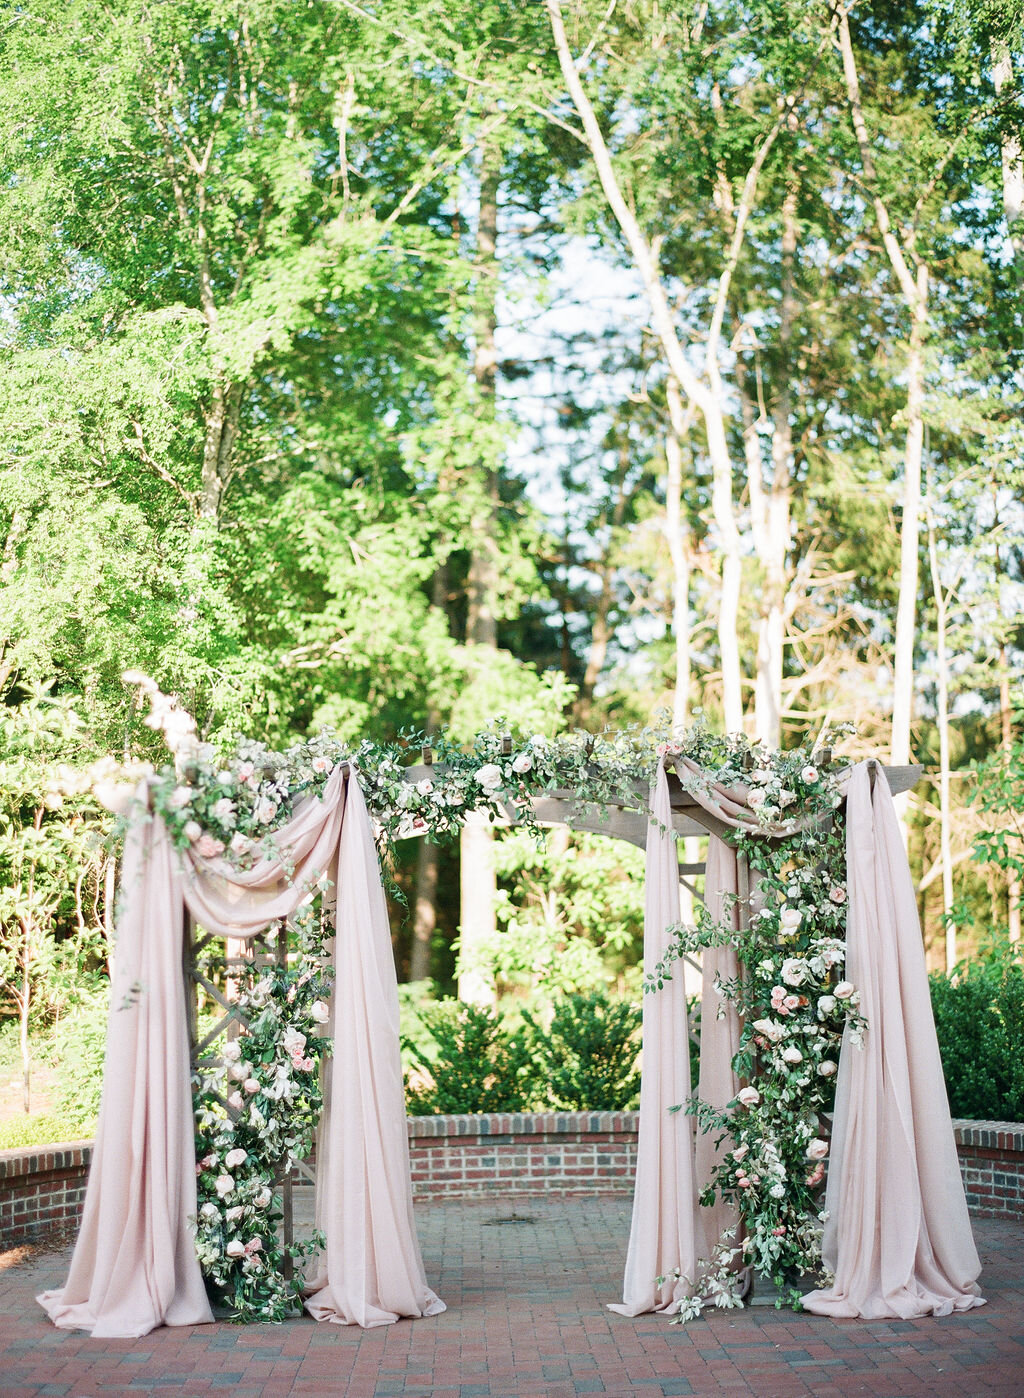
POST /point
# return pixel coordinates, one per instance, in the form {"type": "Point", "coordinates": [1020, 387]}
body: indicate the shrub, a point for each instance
{"type": "Point", "coordinates": [477, 1065]}
{"type": "Point", "coordinates": [80, 1050]}
{"type": "Point", "coordinates": [979, 1018]}
{"type": "Point", "coordinates": [588, 1054]}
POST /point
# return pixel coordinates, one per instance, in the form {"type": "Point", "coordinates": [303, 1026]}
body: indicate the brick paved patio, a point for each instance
{"type": "Point", "coordinates": [527, 1317]}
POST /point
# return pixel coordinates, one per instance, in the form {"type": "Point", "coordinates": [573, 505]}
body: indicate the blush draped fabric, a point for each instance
{"type": "Point", "coordinates": [899, 1237]}
{"type": "Point", "coordinates": [663, 1233]}
{"type": "Point", "coordinates": [134, 1266]}
{"type": "Point", "coordinates": [372, 1272]}
{"type": "Point", "coordinates": [719, 1041]}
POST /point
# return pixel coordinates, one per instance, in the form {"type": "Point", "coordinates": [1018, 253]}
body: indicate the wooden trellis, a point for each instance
{"type": "Point", "coordinates": [256, 952]}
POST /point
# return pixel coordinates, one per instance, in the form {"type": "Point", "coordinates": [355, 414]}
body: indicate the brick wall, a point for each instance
{"type": "Point", "coordinates": [458, 1157]}
{"type": "Point", "coordinates": [464, 1157]}
{"type": "Point", "coordinates": [42, 1190]}
{"type": "Point", "coordinates": [992, 1164]}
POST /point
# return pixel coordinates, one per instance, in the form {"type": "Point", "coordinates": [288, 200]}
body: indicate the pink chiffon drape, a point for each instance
{"type": "Point", "coordinates": [371, 1273]}
{"type": "Point", "coordinates": [898, 1236]}
{"type": "Point", "coordinates": [663, 1233]}
{"type": "Point", "coordinates": [134, 1266]}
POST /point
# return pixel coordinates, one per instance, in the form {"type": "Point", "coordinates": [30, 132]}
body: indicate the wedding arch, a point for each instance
{"type": "Point", "coordinates": [812, 968]}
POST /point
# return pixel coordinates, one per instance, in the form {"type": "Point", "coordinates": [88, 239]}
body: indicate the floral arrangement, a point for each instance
{"type": "Point", "coordinates": [795, 1004]}
{"type": "Point", "coordinates": [258, 1103]}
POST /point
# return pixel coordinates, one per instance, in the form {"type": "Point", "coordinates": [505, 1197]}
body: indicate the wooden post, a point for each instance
{"type": "Point", "coordinates": [188, 971]}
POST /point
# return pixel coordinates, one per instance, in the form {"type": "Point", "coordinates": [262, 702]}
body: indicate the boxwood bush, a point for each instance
{"type": "Point", "coordinates": [979, 1017]}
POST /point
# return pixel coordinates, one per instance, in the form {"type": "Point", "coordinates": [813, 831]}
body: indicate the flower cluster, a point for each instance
{"type": "Point", "coordinates": [795, 1004]}
{"type": "Point", "coordinates": [257, 1101]}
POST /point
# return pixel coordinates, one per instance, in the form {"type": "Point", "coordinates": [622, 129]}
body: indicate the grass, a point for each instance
{"type": "Point", "coordinates": [42, 1129]}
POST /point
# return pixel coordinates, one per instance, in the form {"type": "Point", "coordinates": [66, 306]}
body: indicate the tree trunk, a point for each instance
{"type": "Point", "coordinates": [24, 1010]}
{"type": "Point", "coordinates": [425, 904]}
{"type": "Point", "coordinates": [942, 723]}
{"type": "Point", "coordinates": [425, 911]}
{"type": "Point", "coordinates": [914, 289]}
{"type": "Point", "coordinates": [707, 400]}
{"type": "Point", "coordinates": [481, 622]}
{"type": "Point", "coordinates": [677, 530]}
{"type": "Point", "coordinates": [906, 609]}
{"type": "Point", "coordinates": [774, 538]}
{"type": "Point", "coordinates": [1013, 885]}
{"type": "Point", "coordinates": [478, 881]}
{"type": "Point", "coordinates": [1012, 156]}
{"type": "Point", "coordinates": [478, 922]}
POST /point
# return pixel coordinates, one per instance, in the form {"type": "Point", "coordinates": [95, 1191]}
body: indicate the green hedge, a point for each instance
{"type": "Point", "coordinates": [478, 1061]}
{"type": "Point", "coordinates": [979, 1017]}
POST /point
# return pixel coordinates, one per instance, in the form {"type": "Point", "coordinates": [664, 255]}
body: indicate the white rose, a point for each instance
{"type": "Point", "coordinates": [537, 741]}
{"type": "Point", "coordinates": [210, 1211]}
{"type": "Point", "coordinates": [778, 1191]}
{"type": "Point", "coordinates": [756, 799]}
{"type": "Point", "coordinates": [786, 797]}
{"type": "Point", "coordinates": [425, 787]}
{"type": "Point", "coordinates": [488, 776]}
{"type": "Point", "coordinates": [838, 894]}
{"type": "Point", "coordinates": [224, 809]}
{"type": "Point", "coordinates": [251, 1085]}
{"type": "Point", "coordinates": [239, 1071]}
{"type": "Point", "coordinates": [266, 810]}
{"type": "Point", "coordinates": [794, 970]}
{"type": "Point", "coordinates": [293, 1042]}
{"type": "Point", "coordinates": [263, 1198]}
{"type": "Point", "coordinates": [740, 1151]}
{"type": "Point", "coordinates": [826, 1068]}
{"type": "Point", "coordinates": [224, 1184]}
{"type": "Point", "coordinates": [319, 1012]}
{"type": "Point", "coordinates": [235, 1212]}
{"type": "Point", "coordinates": [235, 1157]}
{"type": "Point", "coordinates": [748, 1096]}
{"type": "Point", "coordinates": [845, 990]}
{"type": "Point", "coordinates": [817, 1150]}
{"type": "Point", "coordinates": [792, 1055]}
{"type": "Point", "coordinates": [240, 844]}
{"type": "Point", "coordinates": [236, 1248]}
{"type": "Point", "coordinates": [768, 1029]}
{"type": "Point", "coordinates": [179, 797]}
{"type": "Point", "coordinates": [232, 1051]}
{"type": "Point", "coordinates": [809, 775]}
{"type": "Point", "coordinates": [193, 830]}
{"type": "Point", "coordinates": [790, 919]}
{"type": "Point", "coordinates": [235, 1101]}
{"type": "Point", "coordinates": [826, 1005]}
{"type": "Point", "coordinates": [522, 763]}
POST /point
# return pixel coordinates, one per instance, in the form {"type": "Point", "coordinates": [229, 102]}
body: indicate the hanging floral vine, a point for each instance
{"type": "Point", "coordinates": [794, 1003]}
{"type": "Point", "coordinates": [257, 1101]}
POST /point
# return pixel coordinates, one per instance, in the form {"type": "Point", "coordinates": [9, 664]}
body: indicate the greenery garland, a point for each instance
{"type": "Point", "coordinates": [256, 1107]}
{"type": "Point", "coordinates": [795, 1005]}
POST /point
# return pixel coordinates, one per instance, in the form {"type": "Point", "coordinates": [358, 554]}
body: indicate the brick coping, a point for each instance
{"type": "Point", "coordinates": [67, 1155]}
